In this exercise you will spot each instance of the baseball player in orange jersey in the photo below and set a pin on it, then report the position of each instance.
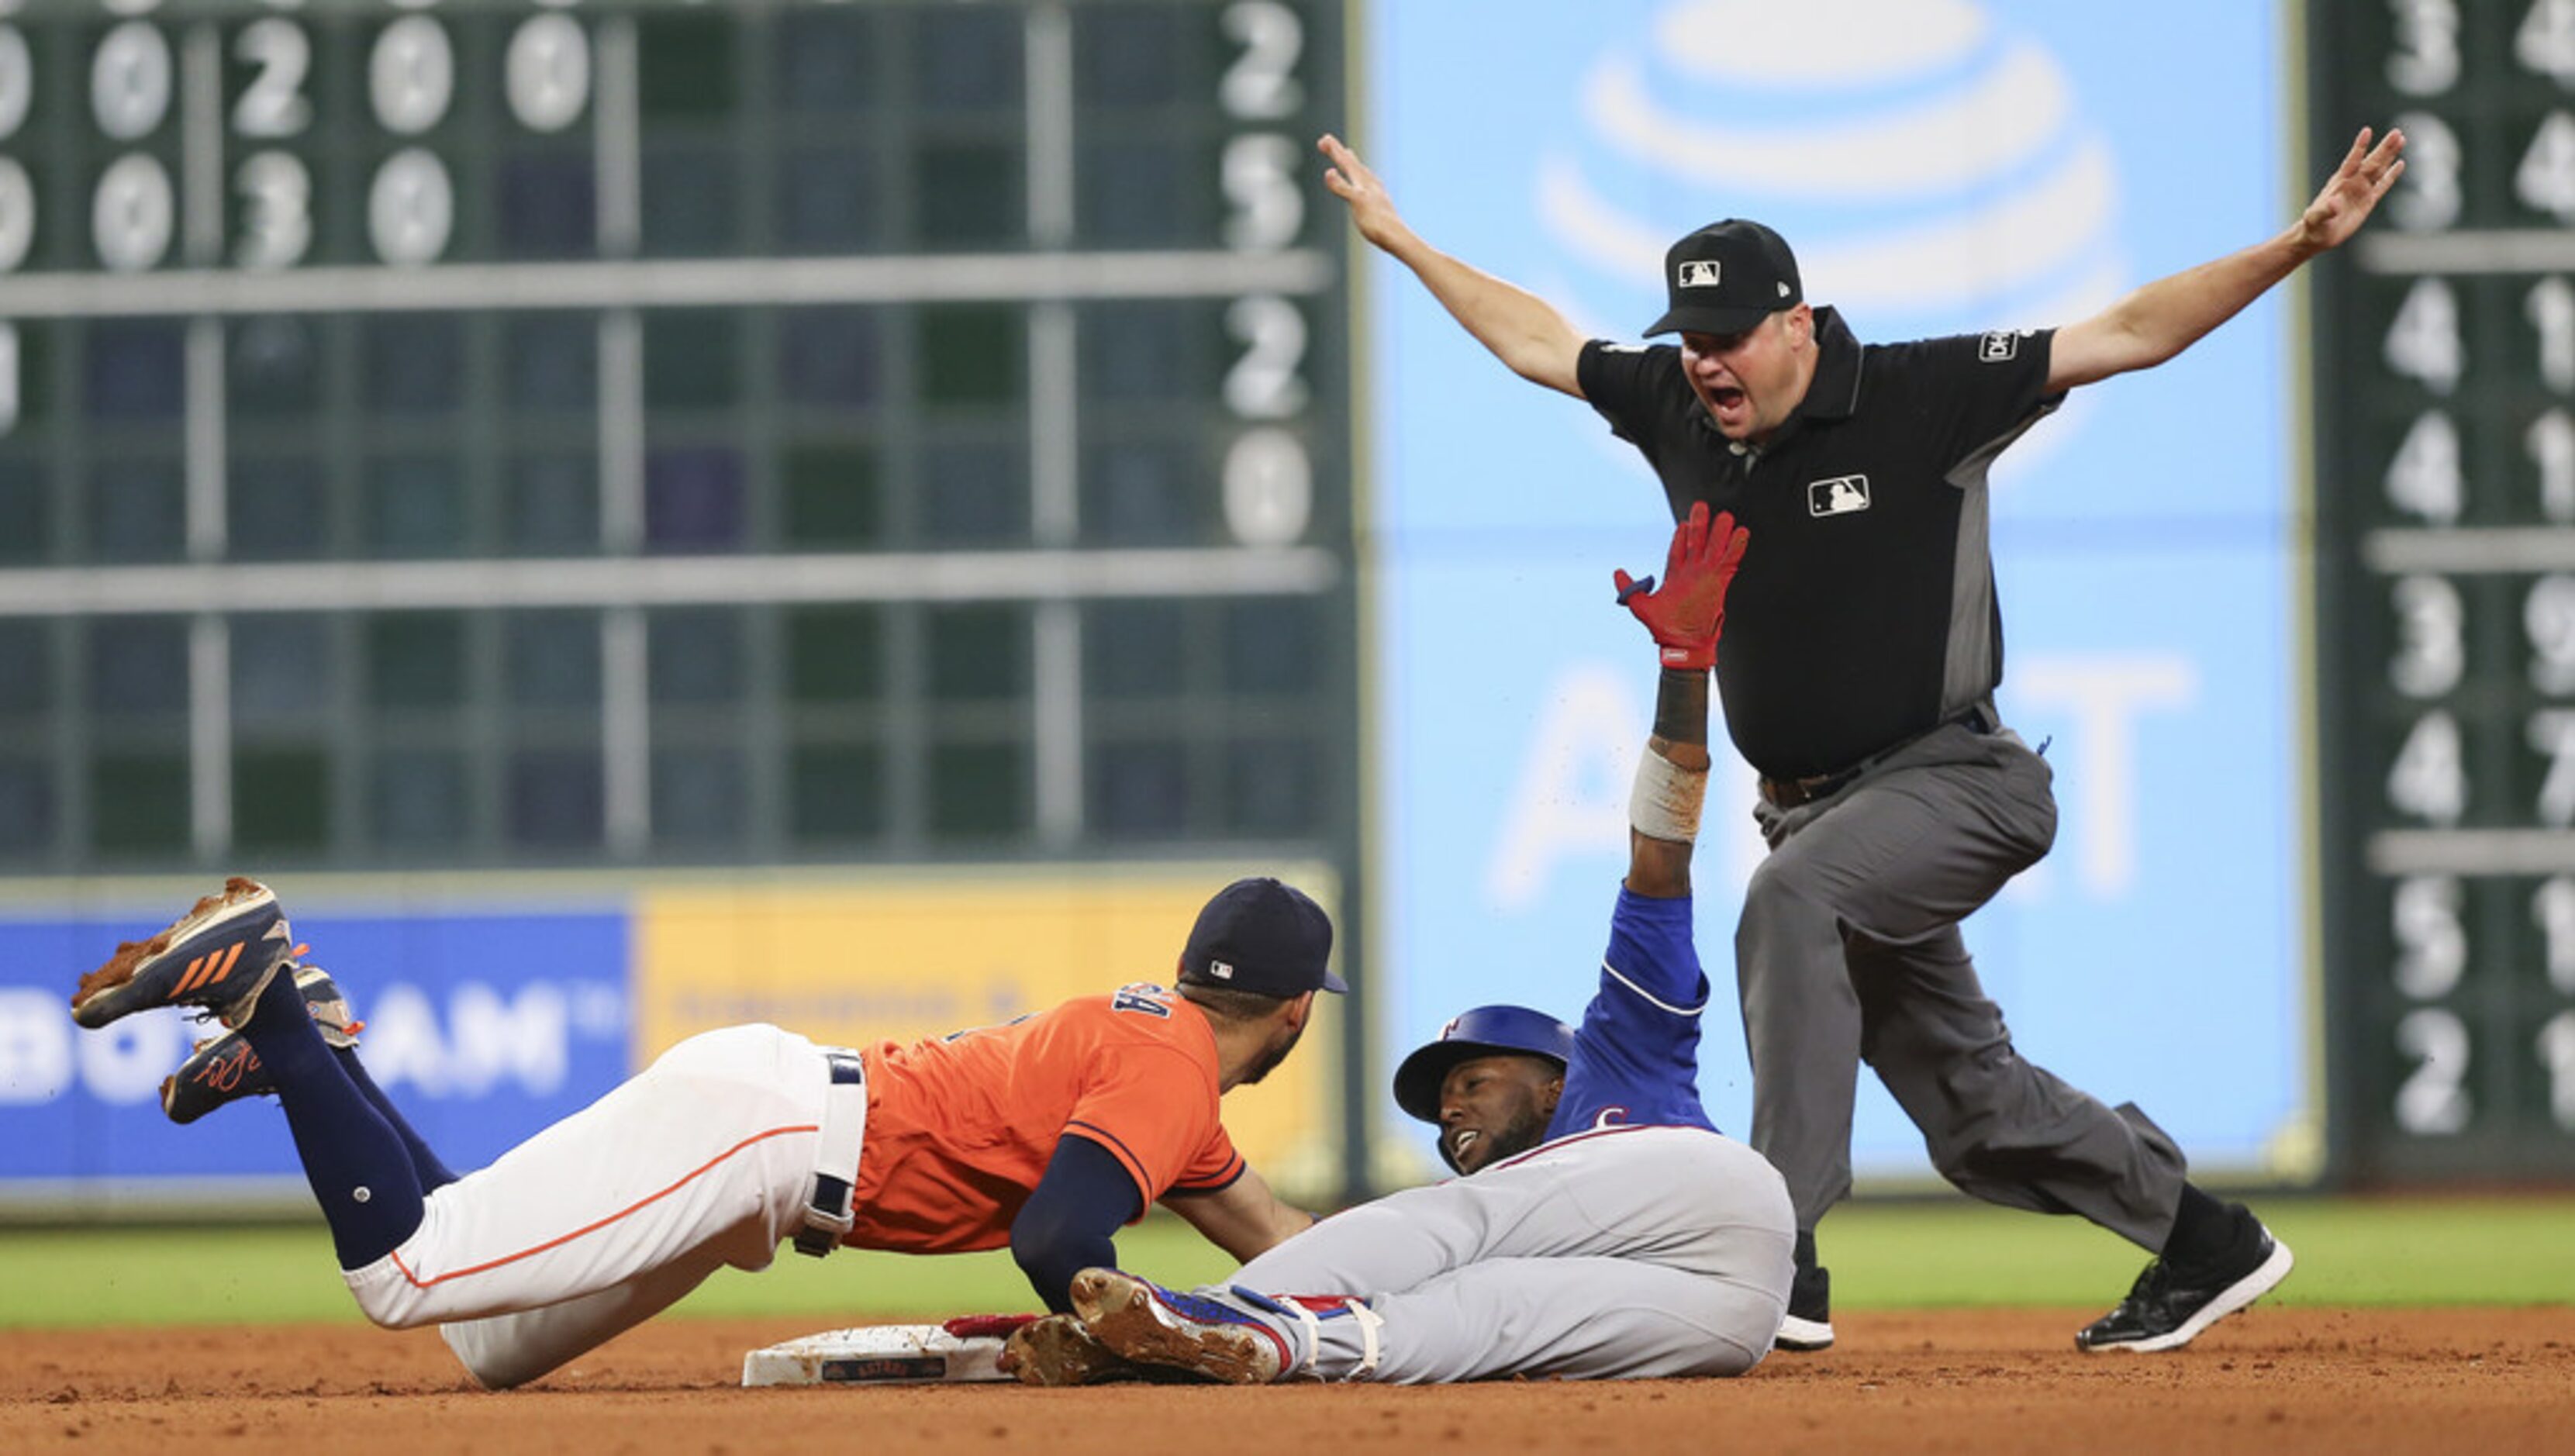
(1047, 1133)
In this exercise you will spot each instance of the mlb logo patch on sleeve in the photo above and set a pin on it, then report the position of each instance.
(1840, 495)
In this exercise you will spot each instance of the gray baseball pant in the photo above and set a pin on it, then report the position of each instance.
(1849, 950)
(1612, 1254)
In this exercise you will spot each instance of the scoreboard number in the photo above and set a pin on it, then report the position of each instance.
(130, 81)
(2424, 343)
(2429, 779)
(2432, 647)
(2433, 1102)
(273, 104)
(2424, 478)
(2433, 945)
(547, 72)
(2545, 42)
(2430, 194)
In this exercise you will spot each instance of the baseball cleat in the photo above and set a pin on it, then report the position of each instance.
(219, 955)
(1057, 1350)
(1804, 1336)
(225, 1069)
(2171, 1303)
(1808, 1324)
(1151, 1325)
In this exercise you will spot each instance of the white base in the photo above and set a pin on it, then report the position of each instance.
(878, 1354)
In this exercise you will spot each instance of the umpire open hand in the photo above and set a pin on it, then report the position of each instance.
(1349, 178)
(1687, 613)
(2353, 191)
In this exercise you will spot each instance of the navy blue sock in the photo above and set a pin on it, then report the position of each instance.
(358, 1168)
(425, 1164)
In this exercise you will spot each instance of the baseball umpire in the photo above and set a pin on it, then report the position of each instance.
(1600, 1227)
(1045, 1133)
(1861, 658)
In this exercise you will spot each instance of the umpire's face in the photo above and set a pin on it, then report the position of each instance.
(1750, 382)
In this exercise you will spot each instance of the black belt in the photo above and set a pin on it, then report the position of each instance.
(1798, 793)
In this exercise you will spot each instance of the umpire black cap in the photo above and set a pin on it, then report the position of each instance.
(1483, 1031)
(1262, 936)
(1727, 277)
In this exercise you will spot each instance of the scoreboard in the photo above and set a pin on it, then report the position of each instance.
(2444, 374)
(498, 432)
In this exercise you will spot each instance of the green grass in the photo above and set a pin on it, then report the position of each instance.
(2516, 1250)
(2505, 1250)
(266, 1273)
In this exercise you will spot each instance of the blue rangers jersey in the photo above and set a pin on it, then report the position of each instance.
(1635, 1055)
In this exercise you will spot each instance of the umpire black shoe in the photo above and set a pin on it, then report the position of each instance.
(1809, 1324)
(2173, 1302)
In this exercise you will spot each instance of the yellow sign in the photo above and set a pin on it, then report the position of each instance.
(899, 954)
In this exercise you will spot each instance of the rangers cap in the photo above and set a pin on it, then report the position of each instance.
(1483, 1031)
(1727, 277)
(1262, 936)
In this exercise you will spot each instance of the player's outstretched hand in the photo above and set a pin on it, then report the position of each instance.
(1686, 613)
(2353, 191)
(1371, 210)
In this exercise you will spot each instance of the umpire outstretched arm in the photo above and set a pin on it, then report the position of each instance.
(1522, 330)
(2169, 315)
(2141, 330)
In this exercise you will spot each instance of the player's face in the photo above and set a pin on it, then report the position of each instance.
(1496, 1107)
(1749, 382)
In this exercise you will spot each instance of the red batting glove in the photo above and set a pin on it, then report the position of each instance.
(1687, 613)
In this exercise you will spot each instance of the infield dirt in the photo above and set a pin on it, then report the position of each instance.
(2467, 1382)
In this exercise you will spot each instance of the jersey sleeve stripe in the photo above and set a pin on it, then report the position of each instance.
(1125, 1156)
(1232, 1176)
(1649, 998)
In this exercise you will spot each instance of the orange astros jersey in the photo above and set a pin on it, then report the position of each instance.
(960, 1128)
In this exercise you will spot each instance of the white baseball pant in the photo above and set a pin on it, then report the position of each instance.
(605, 1218)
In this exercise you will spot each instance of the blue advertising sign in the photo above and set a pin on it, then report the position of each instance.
(483, 1027)
(1942, 166)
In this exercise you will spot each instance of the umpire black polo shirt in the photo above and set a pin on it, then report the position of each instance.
(1864, 612)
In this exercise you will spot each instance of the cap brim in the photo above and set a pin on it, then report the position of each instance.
(1334, 982)
(1707, 319)
(1417, 1081)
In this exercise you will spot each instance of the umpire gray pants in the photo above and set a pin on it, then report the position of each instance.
(1849, 950)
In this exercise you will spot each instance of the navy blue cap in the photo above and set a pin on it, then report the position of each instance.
(1727, 277)
(1262, 936)
(1483, 1031)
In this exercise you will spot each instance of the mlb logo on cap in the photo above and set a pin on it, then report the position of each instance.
(1264, 936)
(1727, 277)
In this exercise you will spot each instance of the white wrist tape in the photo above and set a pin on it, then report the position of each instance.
(1666, 802)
